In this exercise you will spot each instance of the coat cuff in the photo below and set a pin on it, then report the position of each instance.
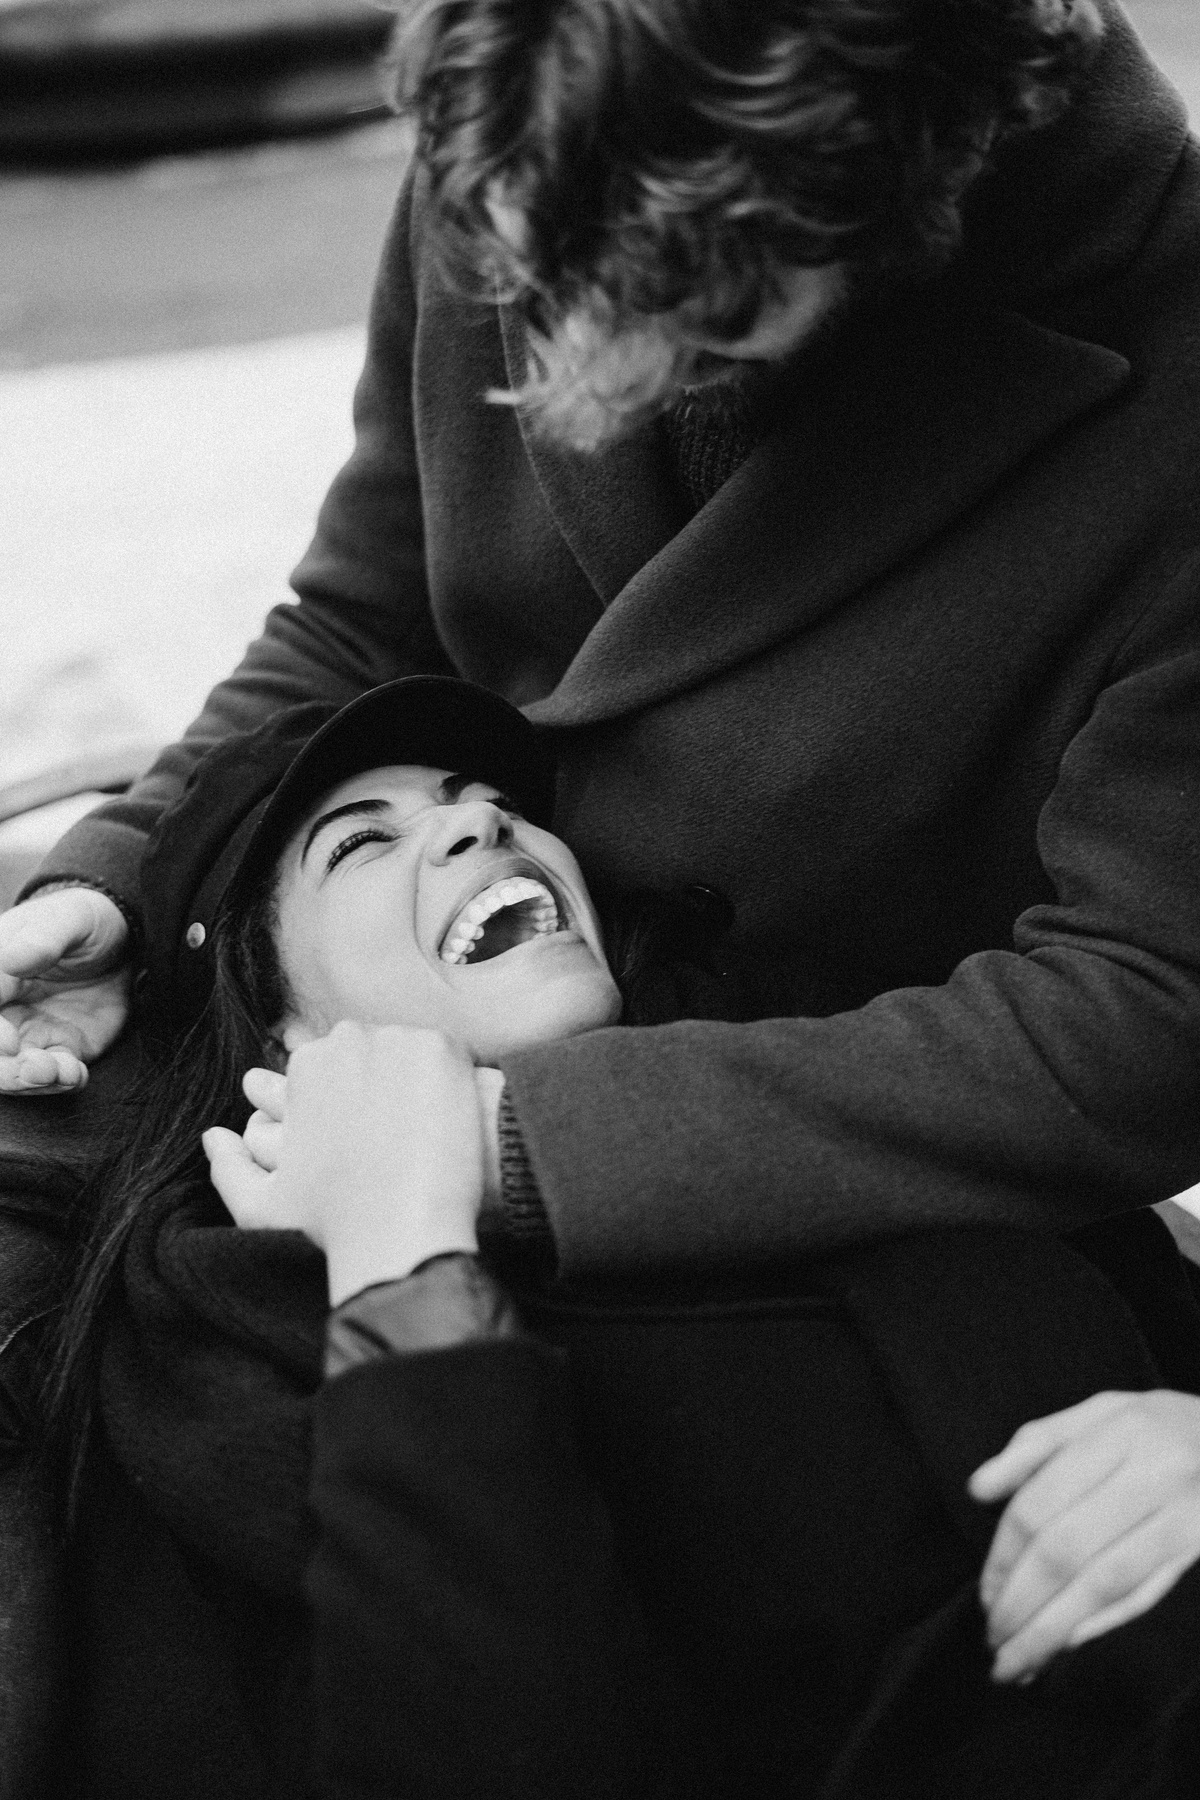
(447, 1300)
(45, 883)
(97, 852)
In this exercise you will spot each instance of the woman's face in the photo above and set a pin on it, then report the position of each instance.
(413, 896)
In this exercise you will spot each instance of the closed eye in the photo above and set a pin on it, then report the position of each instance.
(508, 806)
(371, 835)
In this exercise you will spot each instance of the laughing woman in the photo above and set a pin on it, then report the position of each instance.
(346, 1519)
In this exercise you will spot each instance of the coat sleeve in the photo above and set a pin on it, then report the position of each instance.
(473, 1636)
(30, 1552)
(362, 615)
(1044, 1085)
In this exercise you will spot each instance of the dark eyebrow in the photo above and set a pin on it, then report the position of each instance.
(368, 807)
(448, 790)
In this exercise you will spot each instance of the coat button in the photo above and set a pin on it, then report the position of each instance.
(194, 936)
(713, 911)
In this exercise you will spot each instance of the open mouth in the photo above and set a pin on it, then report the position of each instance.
(512, 911)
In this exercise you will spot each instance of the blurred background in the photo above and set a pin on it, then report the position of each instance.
(192, 198)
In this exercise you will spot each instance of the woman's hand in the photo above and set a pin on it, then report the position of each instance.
(378, 1154)
(64, 988)
(267, 1093)
(1103, 1520)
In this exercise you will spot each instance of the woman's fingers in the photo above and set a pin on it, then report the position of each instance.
(1134, 1604)
(262, 1138)
(1121, 1580)
(1099, 1531)
(1070, 1542)
(266, 1091)
(242, 1185)
(1034, 1443)
(1072, 1471)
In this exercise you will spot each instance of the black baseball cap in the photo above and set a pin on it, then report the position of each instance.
(247, 793)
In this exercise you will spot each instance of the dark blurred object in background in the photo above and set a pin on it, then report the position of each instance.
(87, 80)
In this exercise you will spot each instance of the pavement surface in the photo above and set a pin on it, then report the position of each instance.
(178, 350)
(186, 486)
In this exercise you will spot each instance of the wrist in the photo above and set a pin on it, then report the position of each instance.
(122, 926)
(355, 1260)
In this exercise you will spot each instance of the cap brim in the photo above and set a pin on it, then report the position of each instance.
(426, 720)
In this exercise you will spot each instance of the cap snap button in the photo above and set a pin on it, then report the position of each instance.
(712, 910)
(195, 936)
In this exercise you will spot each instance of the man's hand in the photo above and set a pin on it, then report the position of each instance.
(373, 1148)
(1104, 1519)
(64, 988)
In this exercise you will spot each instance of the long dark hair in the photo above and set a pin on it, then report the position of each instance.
(152, 1145)
(153, 1140)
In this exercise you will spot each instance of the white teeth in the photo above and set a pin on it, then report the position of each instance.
(467, 928)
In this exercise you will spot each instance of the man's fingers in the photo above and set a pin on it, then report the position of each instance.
(1035, 1443)
(51, 1030)
(267, 1091)
(237, 1177)
(262, 1138)
(35, 1072)
(32, 951)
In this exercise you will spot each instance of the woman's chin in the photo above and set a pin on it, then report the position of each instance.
(545, 1011)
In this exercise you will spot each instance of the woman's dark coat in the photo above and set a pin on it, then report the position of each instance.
(918, 689)
(720, 1551)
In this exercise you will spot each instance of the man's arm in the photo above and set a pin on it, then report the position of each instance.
(1042, 1086)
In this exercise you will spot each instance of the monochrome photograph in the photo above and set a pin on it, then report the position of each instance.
(600, 900)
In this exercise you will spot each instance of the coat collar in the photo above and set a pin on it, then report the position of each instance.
(910, 417)
(921, 416)
(615, 508)
(1071, 205)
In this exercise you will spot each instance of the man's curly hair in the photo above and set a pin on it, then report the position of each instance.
(636, 174)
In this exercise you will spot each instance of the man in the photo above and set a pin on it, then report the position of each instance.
(823, 479)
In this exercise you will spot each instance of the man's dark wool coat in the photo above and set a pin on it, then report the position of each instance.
(918, 690)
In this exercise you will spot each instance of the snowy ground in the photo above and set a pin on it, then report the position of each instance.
(184, 489)
(179, 344)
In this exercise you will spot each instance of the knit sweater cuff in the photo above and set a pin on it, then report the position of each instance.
(53, 884)
(516, 1227)
(447, 1300)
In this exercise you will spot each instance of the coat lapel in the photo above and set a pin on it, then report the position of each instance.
(616, 509)
(916, 418)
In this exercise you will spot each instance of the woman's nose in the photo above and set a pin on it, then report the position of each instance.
(468, 825)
